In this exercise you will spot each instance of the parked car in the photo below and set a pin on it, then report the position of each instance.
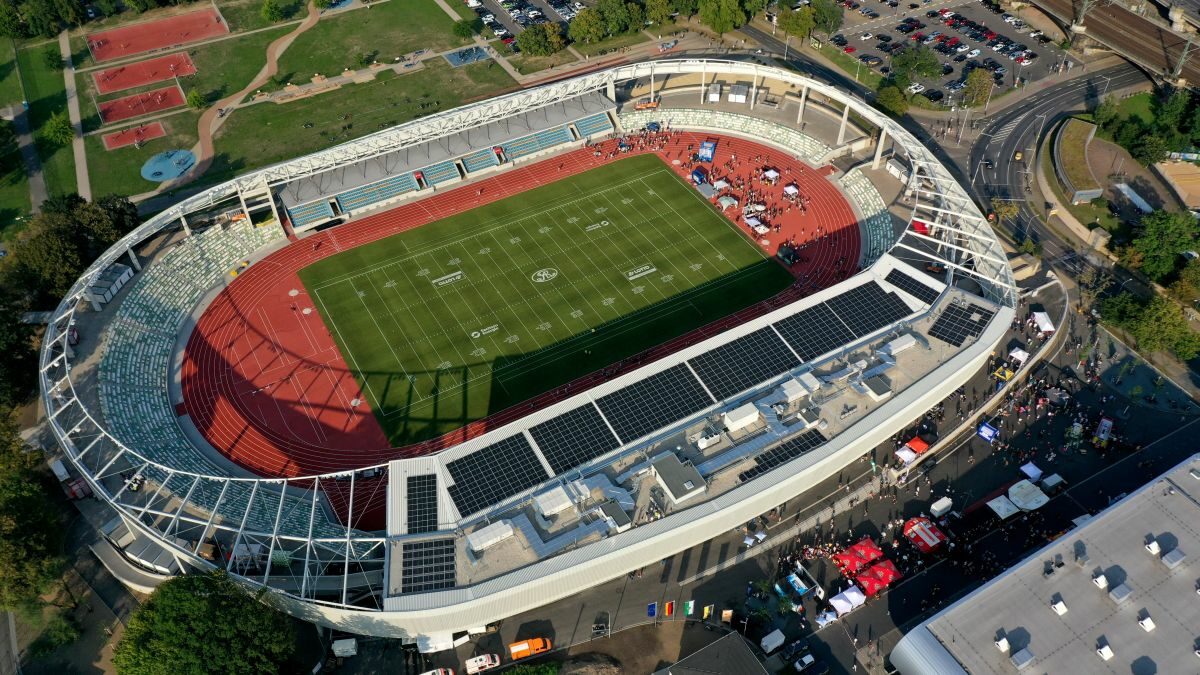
(916, 88)
(933, 95)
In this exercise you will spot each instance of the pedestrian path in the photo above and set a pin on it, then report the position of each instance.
(83, 183)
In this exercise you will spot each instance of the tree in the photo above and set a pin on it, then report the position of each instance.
(1156, 325)
(891, 100)
(722, 15)
(465, 28)
(797, 23)
(752, 7)
(30, 531)
(1165, 236)
(1186, 287)
(1004, 209)
(541, 39)
(272, 11)
(828, 15)
(1092, 283)
(196, 622)
(588, 26)
(658, 12)
(11, 23)
(58, 130)
(977, 88)
(53, 59)
(637, 16)
(615, 14)
(687, 8)
(19, 364)
(195, 100)
(322, 4)
(1149, 149)
(1106, 112)
(919, 61)
(1171, 109)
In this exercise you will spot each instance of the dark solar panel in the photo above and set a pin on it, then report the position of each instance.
(427, 566)
(957, 323)
(814, 331)
(422, 503)
(782, 453)
(908, 284)
(749, 360)
(574, 438)
(494, 473)
(867, 308)
(653, 403)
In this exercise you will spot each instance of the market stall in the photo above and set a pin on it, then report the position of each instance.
(878, 577)
(924, 534)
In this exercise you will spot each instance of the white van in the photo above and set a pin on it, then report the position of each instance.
(772, 641)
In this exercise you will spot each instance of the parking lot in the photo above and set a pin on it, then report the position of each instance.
(964, 36)
(507, 18)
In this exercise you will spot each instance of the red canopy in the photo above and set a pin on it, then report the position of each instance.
(917, 445)
(857, 556)
(878, 577)
(923, 534)
(920, 227)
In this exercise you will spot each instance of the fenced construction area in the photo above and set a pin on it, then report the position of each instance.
(455, 320)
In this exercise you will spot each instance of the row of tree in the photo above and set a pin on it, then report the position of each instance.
(1175, 125)
(1158, 324)
(46, 18)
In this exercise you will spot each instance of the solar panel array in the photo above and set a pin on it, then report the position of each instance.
(494, 473)
(653, 403)
(841, 319)
(908, 284)
(422, 503)
(957, 323)
(427, 566)
(783, 453)
(574, 438)
(749, 360)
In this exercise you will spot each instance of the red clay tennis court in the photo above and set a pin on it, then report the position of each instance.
(136, 105)
(132, 135)
(119, 78)
(152, 35)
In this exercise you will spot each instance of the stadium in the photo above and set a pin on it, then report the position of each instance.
(471, 364)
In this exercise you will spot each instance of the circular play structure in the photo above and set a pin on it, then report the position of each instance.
(168, 165)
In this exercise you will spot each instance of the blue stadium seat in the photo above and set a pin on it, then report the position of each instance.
(366, 195)
(528, 145)
(596, 124)
(480, 160)
(310, 213)
(440, 173)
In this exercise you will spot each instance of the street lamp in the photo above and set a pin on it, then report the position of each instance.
(1107, 80)
(786, 42)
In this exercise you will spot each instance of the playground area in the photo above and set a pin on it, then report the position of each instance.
(134, 135)
(137, 105)
(120, 78)
(151, 36)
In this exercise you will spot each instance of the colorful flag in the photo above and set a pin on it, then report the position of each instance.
(708, 611)
(689, 607)
(652, 609)
(669, 609)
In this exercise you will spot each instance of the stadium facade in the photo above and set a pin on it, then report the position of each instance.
(537, 509)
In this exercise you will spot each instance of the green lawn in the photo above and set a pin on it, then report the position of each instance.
(265, 133)
(851, 66)
(222, 68)
(247, 14)
(14, 186)
(119, 171)
(527, 65)
(47, 94)
(384, 32)
(611, 44)
(1140, 106)
(1091, 216)
(449, 322)
(10, 81)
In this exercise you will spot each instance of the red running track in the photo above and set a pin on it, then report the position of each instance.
(159, 34)
(137, 105)
(119, 78)
(132, 135)
(263, 379)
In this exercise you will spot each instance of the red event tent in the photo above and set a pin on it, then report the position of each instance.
(857, 556)
(878, 577)
(923, 534)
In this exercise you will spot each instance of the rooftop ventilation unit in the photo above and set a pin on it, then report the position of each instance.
(1173, 558)
(1153, 547)
(1146, 623)
(1105, 652)
(1120, 593)
(1101, 581)
(1002, 644)
(1059, 607)
(1022, 659)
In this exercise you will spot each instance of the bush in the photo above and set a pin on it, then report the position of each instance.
(60, 631)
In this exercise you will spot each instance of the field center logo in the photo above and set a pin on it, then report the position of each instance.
(543, 275)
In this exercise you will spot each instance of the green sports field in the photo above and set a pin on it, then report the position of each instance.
(461, 318)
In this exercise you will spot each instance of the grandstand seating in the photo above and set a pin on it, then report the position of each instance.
(136, 363)
(808, 148)
(310, 213)
(440, 173)
(480, 160)
(876, 225)
(527, 145)
(365, 195)
(593, 125)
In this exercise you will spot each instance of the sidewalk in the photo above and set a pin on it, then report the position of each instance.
(83, 182)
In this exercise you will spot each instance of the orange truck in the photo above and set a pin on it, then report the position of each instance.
(527, 648)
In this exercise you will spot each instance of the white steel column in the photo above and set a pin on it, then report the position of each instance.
(188, 231)
(703, 77)
(803, 101)
(611, 89)
(879, 148)
(842, 129)
(133, 259)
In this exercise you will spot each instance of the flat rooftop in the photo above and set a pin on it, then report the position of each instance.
(1017, 605)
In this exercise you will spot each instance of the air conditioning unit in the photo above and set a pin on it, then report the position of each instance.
(1146, 623)
(1059, 607)
(1002, 644)
(1105, 652)
(1101, 581)
(1153, 547)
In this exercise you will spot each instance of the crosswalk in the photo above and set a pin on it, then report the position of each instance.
(1005, 131)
